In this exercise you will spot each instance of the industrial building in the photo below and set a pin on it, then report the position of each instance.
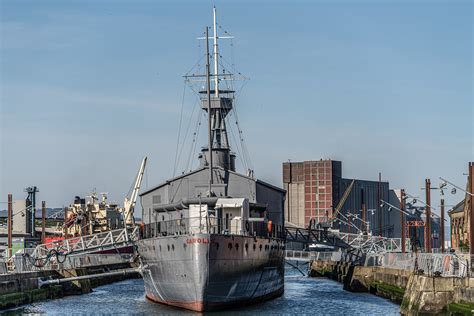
(315, 188)
(23, 224)
(317, 191)
(459, 216)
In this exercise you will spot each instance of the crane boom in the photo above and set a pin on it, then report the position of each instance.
(343, 200)
(129, 203)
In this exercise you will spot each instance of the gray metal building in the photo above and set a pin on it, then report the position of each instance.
(227, 183)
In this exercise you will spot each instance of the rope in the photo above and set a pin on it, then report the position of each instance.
(45, 260)
(186, 135)
(179, 131)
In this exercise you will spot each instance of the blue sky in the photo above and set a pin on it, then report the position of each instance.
(90, 87)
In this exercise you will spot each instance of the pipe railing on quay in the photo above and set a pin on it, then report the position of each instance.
(432, 264)
(303, 255)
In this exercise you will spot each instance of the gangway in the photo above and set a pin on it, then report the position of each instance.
(48, 254)
(354, 247)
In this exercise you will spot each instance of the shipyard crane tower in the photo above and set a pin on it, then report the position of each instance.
(129, 203)
(31, 209)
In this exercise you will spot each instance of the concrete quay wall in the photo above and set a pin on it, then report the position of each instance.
(415, 293)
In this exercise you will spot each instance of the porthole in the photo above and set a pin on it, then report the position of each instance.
(246, 246)
(236, 246)
(217, 245)
(260, 247)
(168, 247)
(230, 245)
(172, 247)
(254, 246)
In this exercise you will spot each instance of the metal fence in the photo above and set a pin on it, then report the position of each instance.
(371, 243)
(441, 264)
(83, 244)
(301, 255)
(73, 252)
(297, 255)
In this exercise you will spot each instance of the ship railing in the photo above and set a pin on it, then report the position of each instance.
(212, 225)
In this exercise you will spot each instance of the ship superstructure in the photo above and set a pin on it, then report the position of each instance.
(212, 237)
(88, 216)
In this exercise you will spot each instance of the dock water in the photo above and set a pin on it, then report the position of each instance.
(24, 287)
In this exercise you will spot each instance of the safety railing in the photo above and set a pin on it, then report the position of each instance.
(372, 243)
(436, 264)
(302, 255)
(298, 255)
(326, 256)
(87, 243)
(67, 253)
(212, 225)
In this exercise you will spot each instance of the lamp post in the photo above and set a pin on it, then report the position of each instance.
(428, 216)
(403, 213)
(469, 194)
(364, 210)
(471, 210)
(365, 224)
(402, 218)
(442, 226)
(10, 225)
(428, 212)
(348, 222)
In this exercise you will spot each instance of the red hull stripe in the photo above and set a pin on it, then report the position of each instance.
(200, 306)
(197, 306)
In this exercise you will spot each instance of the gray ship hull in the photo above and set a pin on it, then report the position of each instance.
(204, 272)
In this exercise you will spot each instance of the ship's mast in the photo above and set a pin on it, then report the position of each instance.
(217, 103)
(216, 56)
(209, 125)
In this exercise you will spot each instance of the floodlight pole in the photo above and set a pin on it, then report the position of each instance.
(428, 216)
(471, 209)
(402, 219)
(442, 225)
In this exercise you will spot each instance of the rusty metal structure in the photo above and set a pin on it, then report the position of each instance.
(428, 216)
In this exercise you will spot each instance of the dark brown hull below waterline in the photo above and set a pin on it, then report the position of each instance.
(221, 271)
